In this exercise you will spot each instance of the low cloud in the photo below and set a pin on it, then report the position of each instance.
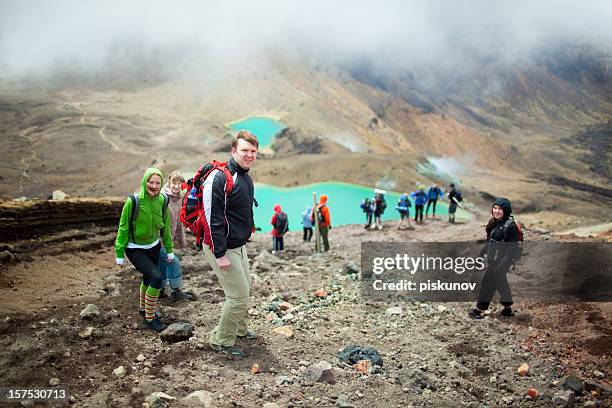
(40, 37)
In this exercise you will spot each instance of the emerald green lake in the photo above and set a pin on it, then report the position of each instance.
(264, 128)
(344, 200)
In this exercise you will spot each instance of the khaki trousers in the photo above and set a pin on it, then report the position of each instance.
(236, 284)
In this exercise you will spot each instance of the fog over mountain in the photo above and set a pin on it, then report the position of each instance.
(191, 38)
(469, 87)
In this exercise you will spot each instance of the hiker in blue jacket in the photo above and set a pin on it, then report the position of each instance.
(420, 198)
(403, 207)
(307, 224)
(433, 194)
(368, 206)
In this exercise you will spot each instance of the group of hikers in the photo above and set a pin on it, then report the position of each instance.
(219, 211)
(221, 218)
(280, 224)
(375, 207)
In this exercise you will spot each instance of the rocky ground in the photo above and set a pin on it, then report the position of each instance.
(306, 308)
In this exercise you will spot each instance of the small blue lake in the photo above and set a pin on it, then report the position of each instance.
(264, 128)
(344, 200)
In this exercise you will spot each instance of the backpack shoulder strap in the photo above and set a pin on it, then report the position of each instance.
(165, 205)
(134, 214)
(507, 225)
(229, 180)
(164, 210)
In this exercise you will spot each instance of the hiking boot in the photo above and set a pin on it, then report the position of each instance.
(508, 312)
(157, 315)
(155, 325)
(476, 314)
(229, 350)
(162, 293)
(178, 295)
(249, 335)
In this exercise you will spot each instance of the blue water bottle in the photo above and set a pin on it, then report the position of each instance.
(192, 200)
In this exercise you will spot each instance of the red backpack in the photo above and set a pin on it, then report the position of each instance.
(192, 213)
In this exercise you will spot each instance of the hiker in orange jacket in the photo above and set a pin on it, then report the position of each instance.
(324, 220)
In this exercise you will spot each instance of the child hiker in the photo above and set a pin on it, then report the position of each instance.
(280, 225)
(172, 270)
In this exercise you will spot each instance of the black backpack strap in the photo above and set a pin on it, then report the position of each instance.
(165, 206)
(507, 225)
(164, 210)
(133, 215)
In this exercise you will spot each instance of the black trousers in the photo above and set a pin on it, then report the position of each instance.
(146, 261)
(277, 243)
(368, 220)
(418, 212)
(307, 234)
(434, 206)
(494, 280)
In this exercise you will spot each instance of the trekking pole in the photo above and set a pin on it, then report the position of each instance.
(316, 222)
(458, 203)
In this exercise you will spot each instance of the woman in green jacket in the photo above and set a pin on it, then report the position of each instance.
(143, 220)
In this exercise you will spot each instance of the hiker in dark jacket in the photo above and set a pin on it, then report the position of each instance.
(452, 203)
(379, 210)
(230, 224)
(501, 247)
(280, 225)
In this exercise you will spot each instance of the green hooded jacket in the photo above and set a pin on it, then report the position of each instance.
(149, 221)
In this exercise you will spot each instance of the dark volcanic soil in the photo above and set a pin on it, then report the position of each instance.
(433, 354)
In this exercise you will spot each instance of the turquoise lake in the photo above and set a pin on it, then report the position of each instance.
(344, 200)
(264, 128)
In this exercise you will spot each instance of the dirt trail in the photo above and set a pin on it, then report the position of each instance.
(26, 161)
(107, 140)
(101, 133)
(433, 354)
